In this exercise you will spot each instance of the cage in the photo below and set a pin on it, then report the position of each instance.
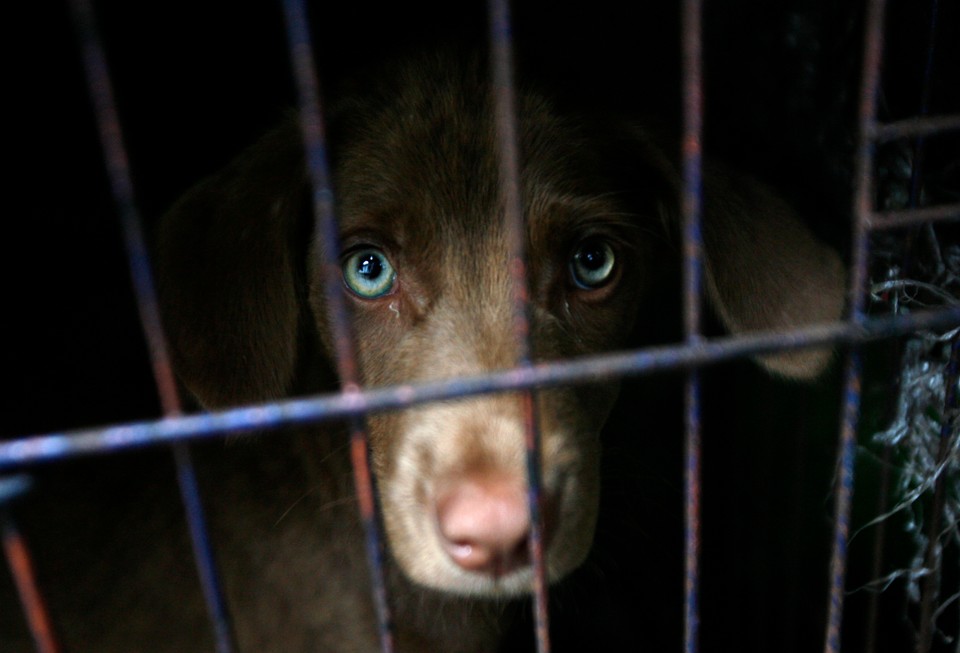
(793, 94)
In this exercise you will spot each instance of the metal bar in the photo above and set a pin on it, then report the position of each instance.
(121, 185)
(118, 170)
(913, 127)
(21, 567)
(326, 230)
(508, 158)
(501, 63)
(919, 128)
(691, 208)
(692, 198)
(210, 582)
(692, 475)
(326, 233)
(863, 194)
(862, 207)
(57, 446)
(899, 218)
(846, 456)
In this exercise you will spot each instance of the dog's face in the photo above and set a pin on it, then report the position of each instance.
(426, 271)
(426, 268)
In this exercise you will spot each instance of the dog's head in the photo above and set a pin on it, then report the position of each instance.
(426, 272)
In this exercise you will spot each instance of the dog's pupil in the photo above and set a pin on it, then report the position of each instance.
(370, 266)
(593, 258)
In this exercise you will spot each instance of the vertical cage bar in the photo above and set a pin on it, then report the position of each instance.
(692, 205)
(846, 455)
(504, 97)
(692, 200)
(913, 201)
(327, 236)
(210, 581)
(21, 567)
(118, 171)
(862, 207)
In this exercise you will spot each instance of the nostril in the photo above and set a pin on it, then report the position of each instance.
(493, 559)
(484, 524)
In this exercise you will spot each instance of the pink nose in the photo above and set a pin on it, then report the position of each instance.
(484, 523)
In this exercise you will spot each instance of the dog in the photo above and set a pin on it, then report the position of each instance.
(425, 265)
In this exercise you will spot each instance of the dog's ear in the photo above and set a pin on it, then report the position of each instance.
(230, 278)
(764, 268)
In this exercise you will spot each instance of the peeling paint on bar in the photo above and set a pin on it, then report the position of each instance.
(19, 560)
(900, 218)
(862, 208)
(121, 183)
(327, 231)
(691, 208)
(57, 446)
(508, 160)
(913, 127)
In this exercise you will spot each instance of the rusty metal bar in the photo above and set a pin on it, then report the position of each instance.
(21, 567)
(914, 127)
(918, 128)
(118, 171)
(504, 99)
(692, 475)
(862, 208)
(691, 209)
(900, 218)
(57, 446)
(326, 230)
(326, 233)
(692, 198)
(100, 90)
(846, 456)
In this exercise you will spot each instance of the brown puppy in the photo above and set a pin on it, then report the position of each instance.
(425, 269)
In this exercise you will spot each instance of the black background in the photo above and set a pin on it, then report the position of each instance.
(197, 81)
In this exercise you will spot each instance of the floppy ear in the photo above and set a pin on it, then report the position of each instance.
(230, 278)
(764, 269)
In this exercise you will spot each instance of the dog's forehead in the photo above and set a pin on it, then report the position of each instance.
(426, 154)
(430, 154)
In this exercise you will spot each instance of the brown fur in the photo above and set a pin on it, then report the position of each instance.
(415, 175)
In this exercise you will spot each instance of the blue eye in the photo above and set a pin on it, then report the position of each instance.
(592, 263)
(368, 273)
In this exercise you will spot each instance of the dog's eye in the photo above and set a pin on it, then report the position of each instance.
(593, 263)
(368, 273)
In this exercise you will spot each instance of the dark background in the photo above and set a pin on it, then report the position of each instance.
(197, 81)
